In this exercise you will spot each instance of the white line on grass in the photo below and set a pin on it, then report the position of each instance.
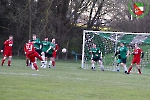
(23, 74)
(71, 78)
(103, 81)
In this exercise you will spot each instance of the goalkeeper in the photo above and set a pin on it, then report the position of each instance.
(96, 57)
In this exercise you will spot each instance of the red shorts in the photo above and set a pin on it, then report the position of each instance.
(7, 53)
(137, 61)
(32, 55)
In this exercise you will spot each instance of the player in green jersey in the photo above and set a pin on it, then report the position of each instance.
(96, 57)
(124, 53)
(50, 52)
(45, 47)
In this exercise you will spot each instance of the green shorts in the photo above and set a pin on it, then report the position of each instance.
(119, 61)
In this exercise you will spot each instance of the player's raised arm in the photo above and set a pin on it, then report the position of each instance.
(116, 53)
(142, 55)
(128, 53)
(41, 45)
(50, 47)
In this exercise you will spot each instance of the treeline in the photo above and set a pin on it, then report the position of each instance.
(22, 18)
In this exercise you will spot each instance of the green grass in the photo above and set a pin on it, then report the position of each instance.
(69, 82)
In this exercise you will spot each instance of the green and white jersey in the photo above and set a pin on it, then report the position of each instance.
(51, 48)
(45, 45)
(37, 43)
(123, 52)
(96, 53)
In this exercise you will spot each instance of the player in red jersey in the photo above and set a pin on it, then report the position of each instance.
(55, 53)
(138, 55)
(7, 50)
(32, 54)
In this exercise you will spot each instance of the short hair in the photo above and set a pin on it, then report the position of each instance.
(33, 34)
(53, 39)
(10, 36)
(122, 43)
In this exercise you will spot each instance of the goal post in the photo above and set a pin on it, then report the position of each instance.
(83, 45)
(108, 43)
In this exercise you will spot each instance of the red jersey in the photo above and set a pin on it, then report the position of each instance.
(56, 47)
(137, 53)
(8, 45)
(31, 53)
(29, 47)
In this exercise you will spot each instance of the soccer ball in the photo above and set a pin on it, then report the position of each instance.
(64, 50)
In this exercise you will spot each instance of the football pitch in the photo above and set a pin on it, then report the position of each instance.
(67, 81)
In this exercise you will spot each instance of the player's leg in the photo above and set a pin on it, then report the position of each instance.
(139, 69)
(31, 58)
(118, 65)
(130, 68)
(3, 60)
(138, 66)
(93, 64)
(35, 54)
(5, 55)
(43, 62)
(53, 63)
(123, 63)
(33, 61)
(35, 66)
(9, 60)
(101, 64)
(132, 63)
(38, 51)
(125, 67)
(51, 60)
(27, 61)
(46, 57)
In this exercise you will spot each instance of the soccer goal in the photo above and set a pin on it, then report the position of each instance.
(108, 43)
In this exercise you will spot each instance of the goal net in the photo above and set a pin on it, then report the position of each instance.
(108, 43)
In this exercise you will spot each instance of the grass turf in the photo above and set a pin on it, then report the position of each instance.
(69, 82)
